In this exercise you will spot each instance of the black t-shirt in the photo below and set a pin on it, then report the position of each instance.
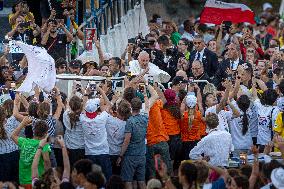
(56, 47)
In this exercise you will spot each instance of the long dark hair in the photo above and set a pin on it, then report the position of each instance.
(3, 134)
(174, 110)
(75, 104)
(244, 103)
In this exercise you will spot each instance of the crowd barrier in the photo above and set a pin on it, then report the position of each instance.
(115, 23)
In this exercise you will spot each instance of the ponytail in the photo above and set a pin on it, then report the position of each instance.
(245, 123)
(74, 117)
(244, 103)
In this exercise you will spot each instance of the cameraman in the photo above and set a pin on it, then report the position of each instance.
(24, 31)
(20, 8)
(54, 41)
(169, 58)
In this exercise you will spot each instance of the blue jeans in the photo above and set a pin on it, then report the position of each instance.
(102, 160)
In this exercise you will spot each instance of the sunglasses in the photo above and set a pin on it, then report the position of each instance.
(181, 44)
(250, 51)
(247, 42)
(197, 43)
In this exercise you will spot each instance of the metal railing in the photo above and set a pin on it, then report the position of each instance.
(107, 13)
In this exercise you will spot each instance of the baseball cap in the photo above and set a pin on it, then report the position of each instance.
(75, 64)
(277, 178)
(92, 105)
(178, 79)
(191, 101)
(266, 6)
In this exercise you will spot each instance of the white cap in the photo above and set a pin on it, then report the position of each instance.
(92, 105)
(277, 178)
(107, 56)
(191, 101)
(266, 6)
(86, 57)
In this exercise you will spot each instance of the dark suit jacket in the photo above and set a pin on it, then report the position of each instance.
(221, 73)
(209, 60)
(119, 83)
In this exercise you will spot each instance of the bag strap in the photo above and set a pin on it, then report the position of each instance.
(51, 45)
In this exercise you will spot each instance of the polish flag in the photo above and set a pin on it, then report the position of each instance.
(216, 12)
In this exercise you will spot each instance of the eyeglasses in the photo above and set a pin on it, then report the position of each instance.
(250, 51)
(181, 44)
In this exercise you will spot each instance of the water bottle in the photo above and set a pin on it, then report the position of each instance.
(1, 4)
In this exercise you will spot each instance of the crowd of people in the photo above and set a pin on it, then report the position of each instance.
(195, 103)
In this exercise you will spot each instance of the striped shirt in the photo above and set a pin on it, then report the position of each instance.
(50, 121)
(8, 145)
(74, 137)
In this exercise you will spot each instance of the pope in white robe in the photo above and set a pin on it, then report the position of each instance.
(137, 67)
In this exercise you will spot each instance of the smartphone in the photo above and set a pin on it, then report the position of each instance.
(243, 158)
(141, 87)
(93, 86)
(78, 87)
(158, 162)
(150, 80)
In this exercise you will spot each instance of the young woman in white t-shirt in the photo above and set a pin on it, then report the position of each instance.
(267, 114)
(239, 126)
(74, 137)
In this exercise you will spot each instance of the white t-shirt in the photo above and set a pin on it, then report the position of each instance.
(74, 137)
(115, 134)
(240, 141)
(224, 117)
(264, 116)
(253, 121)
(95, 134)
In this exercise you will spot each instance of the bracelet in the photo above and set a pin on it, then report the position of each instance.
(40, 147)
(86, 95)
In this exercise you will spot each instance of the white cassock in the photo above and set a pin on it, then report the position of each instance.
(41, 68)
(159, 75)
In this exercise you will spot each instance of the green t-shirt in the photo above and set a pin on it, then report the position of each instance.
(28, 148)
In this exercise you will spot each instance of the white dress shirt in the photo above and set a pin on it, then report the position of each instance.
(201, 55)
(216, 145)
(234, 64)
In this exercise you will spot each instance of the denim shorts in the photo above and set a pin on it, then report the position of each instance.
(133, 167)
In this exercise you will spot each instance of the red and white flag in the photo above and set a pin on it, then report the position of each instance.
(216, 12)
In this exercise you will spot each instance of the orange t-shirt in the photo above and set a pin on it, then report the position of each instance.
(197, 129)
(156, 131)
(170, 122)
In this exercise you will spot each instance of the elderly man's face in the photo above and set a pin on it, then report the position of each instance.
(197, 69)
(232, 51)
(144, 60)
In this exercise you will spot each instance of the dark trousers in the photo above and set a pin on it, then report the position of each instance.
(115, 169)
(75, 155)
(9, 166)
(102, 160)
(186, 148)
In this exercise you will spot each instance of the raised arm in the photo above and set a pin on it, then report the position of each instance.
(37, 156)
(66, 163)
(100, 52)
(154, 95)
(223, 102)
(16, 112)
(15, 134)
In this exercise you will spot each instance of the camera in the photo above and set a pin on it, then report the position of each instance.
(25, 24)
(170, 51)
(227, 25)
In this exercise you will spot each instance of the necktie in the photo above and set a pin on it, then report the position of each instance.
(198, 56)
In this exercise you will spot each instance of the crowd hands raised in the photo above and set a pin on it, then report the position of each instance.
(163, 124)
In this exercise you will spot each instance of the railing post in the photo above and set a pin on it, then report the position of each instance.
(118, 11)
